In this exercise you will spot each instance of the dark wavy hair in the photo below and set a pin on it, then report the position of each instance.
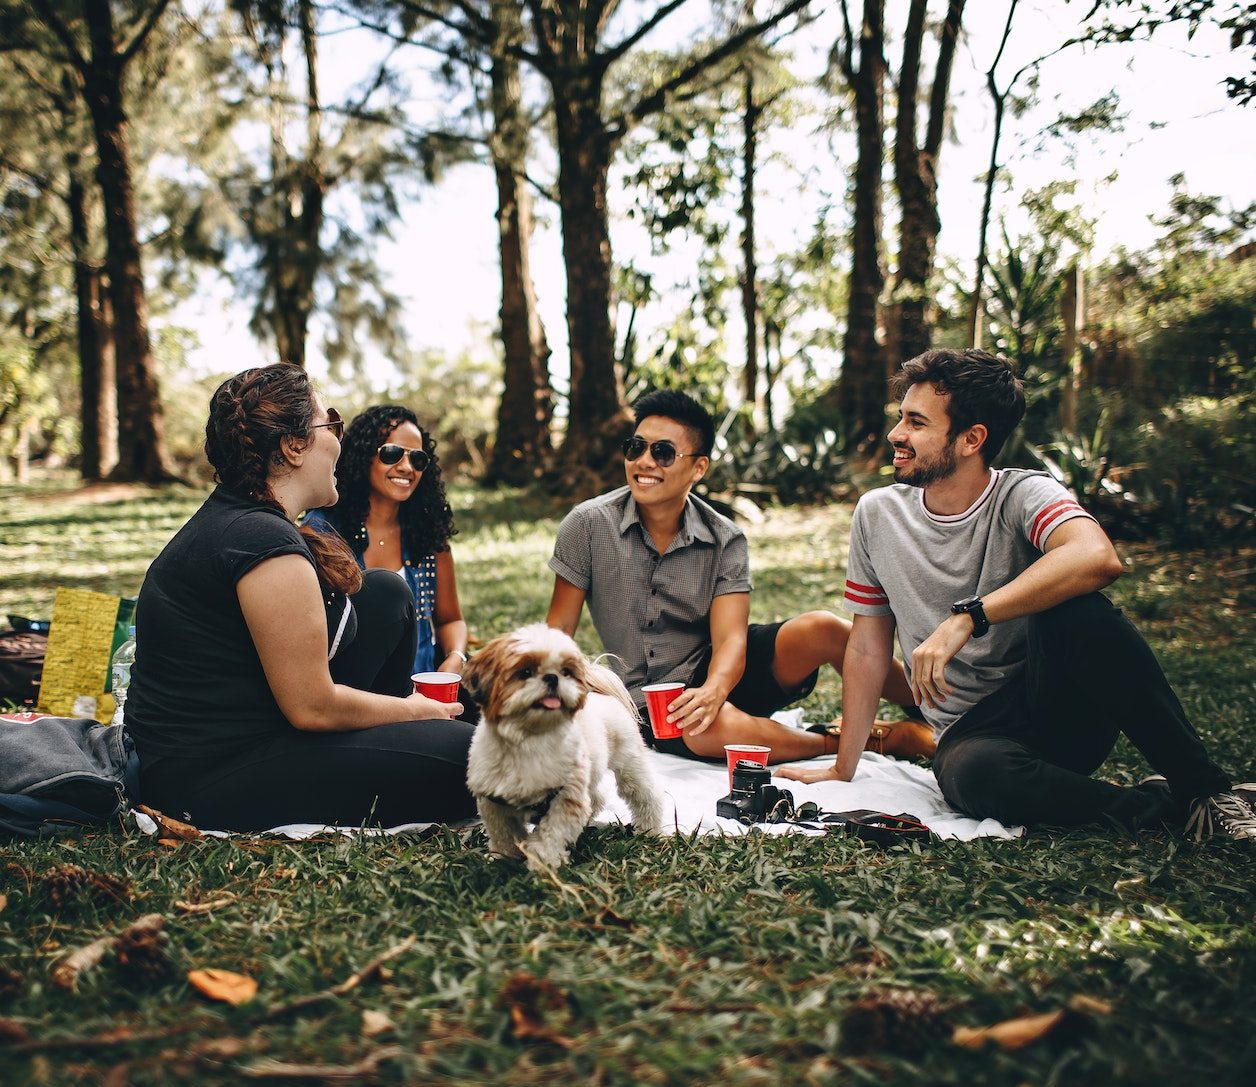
(983, 388)
(249, 416)
(427, 521)
(684, 409)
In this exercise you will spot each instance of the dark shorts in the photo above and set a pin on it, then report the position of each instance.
(757, 692)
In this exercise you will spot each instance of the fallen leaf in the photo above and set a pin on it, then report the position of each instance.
(224, 985)
(527, 999)
(171, 827)
(225, 899)
(1089, 1005)
(169, 843)
(4, 901)
(11, 1031)
(1024, 1030)
(375, 1023)
(66, 973)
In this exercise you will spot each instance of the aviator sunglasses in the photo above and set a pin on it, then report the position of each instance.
(334, 421)
(663, 451)
(392, 453)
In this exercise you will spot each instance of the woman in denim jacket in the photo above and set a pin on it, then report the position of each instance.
(394, 515)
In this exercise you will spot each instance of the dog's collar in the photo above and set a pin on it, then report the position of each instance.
(541, 807)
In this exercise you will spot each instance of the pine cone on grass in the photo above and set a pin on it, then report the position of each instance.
(69, 884)
(142, 953)
(901, 1021)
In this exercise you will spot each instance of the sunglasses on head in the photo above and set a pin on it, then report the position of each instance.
(663, 451)
(334, 422)
(392, 453)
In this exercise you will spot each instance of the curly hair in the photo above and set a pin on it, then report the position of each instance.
(249, 416)
(427, 521)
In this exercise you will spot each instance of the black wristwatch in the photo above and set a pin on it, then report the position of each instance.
(972, 607)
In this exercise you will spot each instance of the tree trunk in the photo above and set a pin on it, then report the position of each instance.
(522, 446)
(916, 178)
(1072, 307)
(596, 413)
(750, 272)
(861, 389)
(142, 453)
(97, 384)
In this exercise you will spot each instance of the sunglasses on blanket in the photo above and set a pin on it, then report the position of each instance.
(663, 451)
(392, 453)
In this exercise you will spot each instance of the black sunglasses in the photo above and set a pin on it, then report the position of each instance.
(663, 451)
(392, 453)
(334, 421)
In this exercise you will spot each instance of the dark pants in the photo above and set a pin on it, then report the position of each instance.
(1025, 753)
(409, 772)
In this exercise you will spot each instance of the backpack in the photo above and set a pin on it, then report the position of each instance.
(58, 770)
(21, 662)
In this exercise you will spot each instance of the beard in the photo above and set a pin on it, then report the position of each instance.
(920, 473)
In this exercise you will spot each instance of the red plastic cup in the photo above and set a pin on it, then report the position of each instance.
(442, 686)
(735, 753)
(658, 696)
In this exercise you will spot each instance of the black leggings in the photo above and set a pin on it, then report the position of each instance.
(408, 772)
(1025, 753)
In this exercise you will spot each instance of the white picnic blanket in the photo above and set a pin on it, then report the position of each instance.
(692, 788)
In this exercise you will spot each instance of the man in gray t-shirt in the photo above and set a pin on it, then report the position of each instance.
(667, 581)
(1025, 670)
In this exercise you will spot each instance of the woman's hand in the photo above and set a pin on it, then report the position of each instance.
(455, 663)
(428, 709)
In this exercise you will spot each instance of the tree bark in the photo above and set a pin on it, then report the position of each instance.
(97, 384)
(751, 393)
(861, 388)
(142, 452)
(522, 446)
(916, 177)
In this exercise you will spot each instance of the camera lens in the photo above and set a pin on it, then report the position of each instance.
(749, 776)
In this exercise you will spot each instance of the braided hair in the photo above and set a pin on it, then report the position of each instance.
(427, 521)
(249, 416)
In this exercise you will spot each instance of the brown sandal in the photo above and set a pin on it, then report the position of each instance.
(905, 739)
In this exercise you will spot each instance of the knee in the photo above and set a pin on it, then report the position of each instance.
(983, 780)
(821, 627)
(384, 594)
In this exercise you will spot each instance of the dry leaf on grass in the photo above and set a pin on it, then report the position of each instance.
(170, 828)
(1024, 1030)
(223, 899)
(375, 1023)
(527, 999)
(365, 1071)
(4, 901)
(224, 985)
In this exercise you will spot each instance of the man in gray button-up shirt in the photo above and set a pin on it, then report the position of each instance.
(667, 581)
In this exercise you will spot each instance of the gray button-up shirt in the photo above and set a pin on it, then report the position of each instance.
(651, 611)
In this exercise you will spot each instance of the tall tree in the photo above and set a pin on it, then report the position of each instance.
(916, 175)
(99, 50)
(860, 393)
(570, 53)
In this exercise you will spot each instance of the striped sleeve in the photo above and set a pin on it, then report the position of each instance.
(1045, 506)
(864, 593)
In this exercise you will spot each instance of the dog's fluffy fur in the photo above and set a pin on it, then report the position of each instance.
(553, 721)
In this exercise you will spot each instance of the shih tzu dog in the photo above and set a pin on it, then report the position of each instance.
(553, 722)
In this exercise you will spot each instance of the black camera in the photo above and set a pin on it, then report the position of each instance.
(754, 799)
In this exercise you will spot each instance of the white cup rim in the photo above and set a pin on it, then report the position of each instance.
(436, 677)
(663, 687)
(746, 747)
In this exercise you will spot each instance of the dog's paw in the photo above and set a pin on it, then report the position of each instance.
(544, 860)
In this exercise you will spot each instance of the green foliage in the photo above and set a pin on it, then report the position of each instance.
(692, 960)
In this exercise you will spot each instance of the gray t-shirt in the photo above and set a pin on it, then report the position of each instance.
(913, 564)
(652, 611)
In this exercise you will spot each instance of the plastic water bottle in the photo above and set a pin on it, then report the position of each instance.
(123, 658)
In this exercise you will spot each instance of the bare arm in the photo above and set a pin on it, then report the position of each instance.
(566, 603)
(450, 627)
(867, 662)
(696, 708)
(1079, 559)
(283, 607)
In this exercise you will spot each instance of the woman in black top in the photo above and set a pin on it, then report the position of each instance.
(271, 681)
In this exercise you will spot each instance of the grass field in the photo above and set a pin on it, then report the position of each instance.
(696, 961)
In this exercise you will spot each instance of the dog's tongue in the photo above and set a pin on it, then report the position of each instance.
(551, 702)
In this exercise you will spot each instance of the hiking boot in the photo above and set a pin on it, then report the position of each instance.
(1230, 814)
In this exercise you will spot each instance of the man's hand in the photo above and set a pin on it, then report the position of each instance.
(929, 661)
(695, 709)
(809, 777)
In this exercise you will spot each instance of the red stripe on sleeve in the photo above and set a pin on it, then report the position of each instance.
(1049, 516)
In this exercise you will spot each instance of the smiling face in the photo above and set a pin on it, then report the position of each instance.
(397, 482)
(318, 463)
(924, 452)
(652, 484)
